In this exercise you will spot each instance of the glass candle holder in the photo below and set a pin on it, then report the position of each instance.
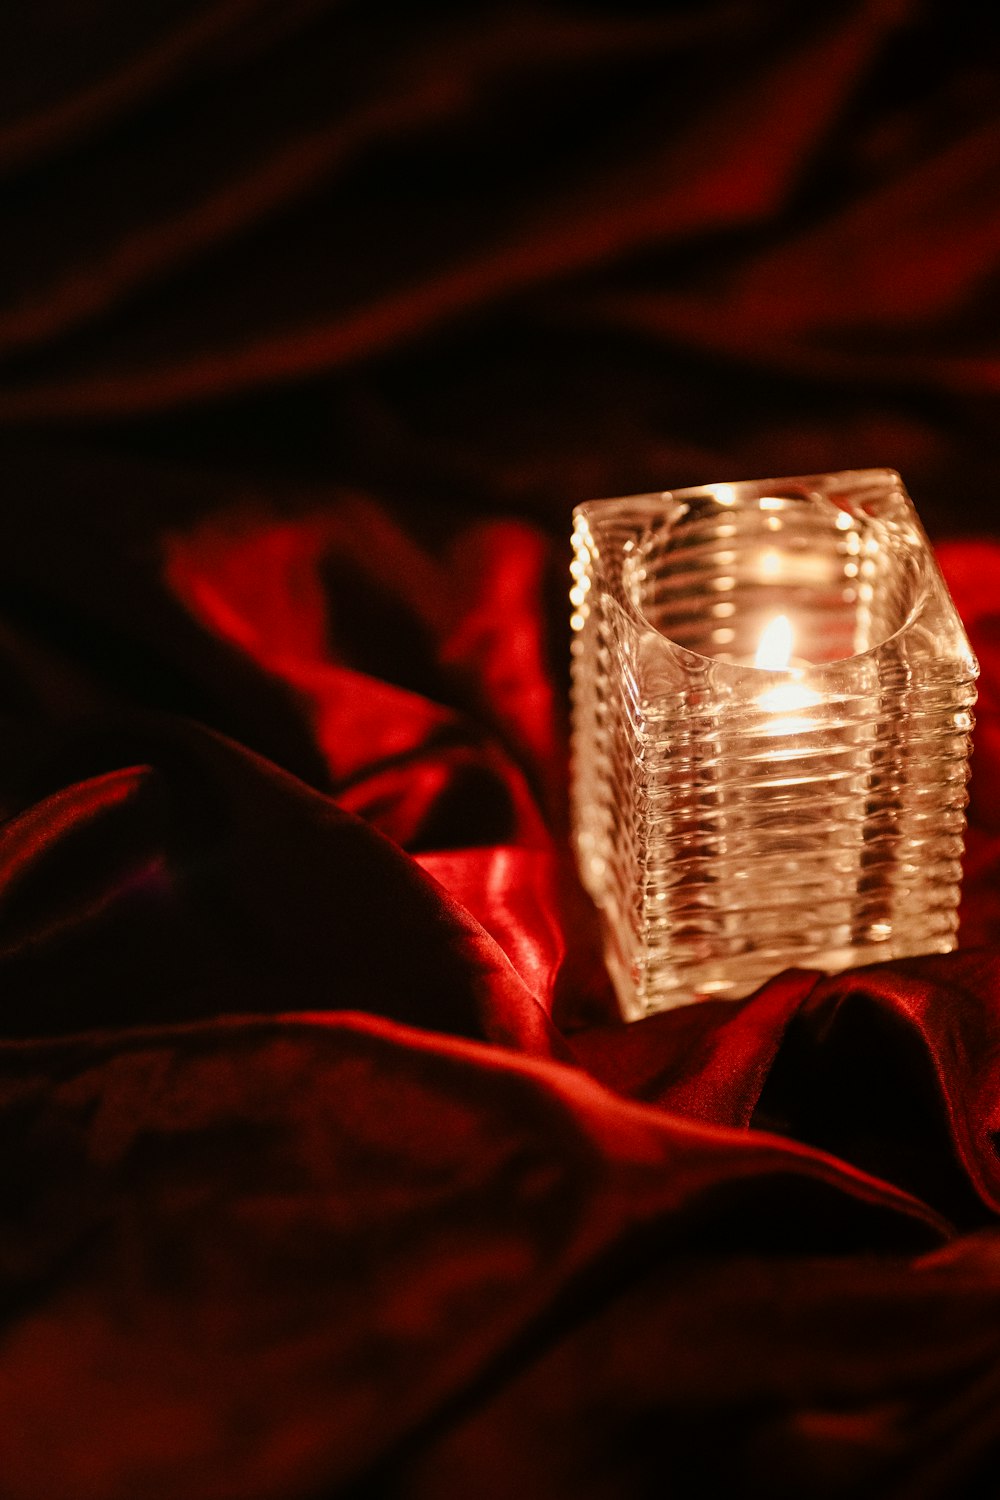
(773, 699)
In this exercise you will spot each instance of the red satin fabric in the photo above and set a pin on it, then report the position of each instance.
(326, 1166)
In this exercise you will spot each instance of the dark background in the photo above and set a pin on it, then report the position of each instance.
(502, 257)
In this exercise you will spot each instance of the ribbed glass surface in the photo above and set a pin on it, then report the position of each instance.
(734, 819)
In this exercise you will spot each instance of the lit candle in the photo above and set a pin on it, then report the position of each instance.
(772, 707)
(774, 654)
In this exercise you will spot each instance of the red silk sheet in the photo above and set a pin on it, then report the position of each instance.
(328, 1170)
(326, 1167)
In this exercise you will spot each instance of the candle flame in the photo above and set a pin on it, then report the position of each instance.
(775, 650)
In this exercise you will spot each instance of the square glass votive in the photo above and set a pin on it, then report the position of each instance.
(772, 708)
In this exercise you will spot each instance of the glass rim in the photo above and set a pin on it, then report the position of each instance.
(652, 507)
